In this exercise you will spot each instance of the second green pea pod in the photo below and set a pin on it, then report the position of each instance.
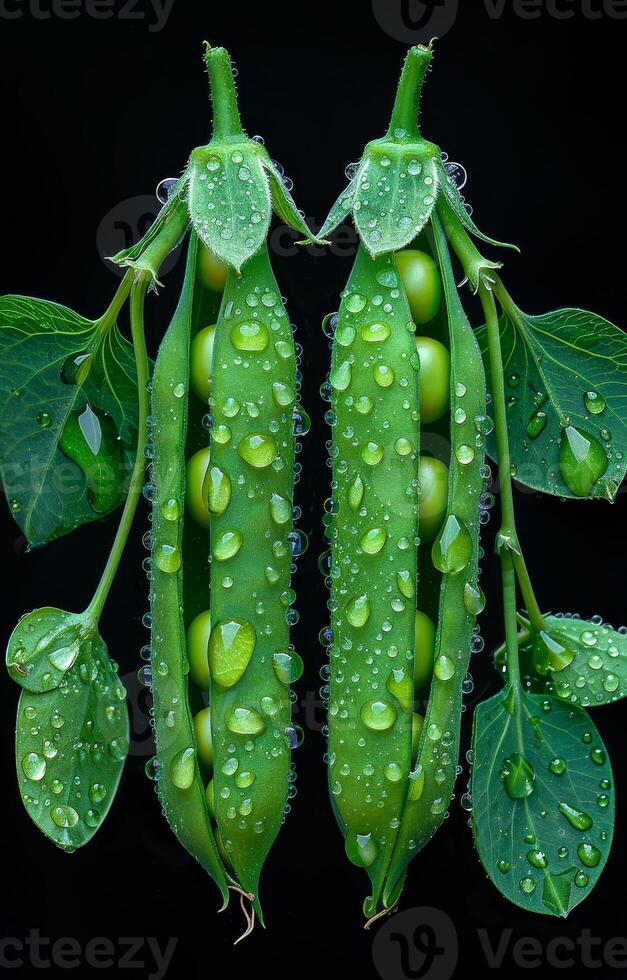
(404, 514)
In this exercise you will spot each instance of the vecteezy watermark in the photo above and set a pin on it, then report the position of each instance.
(100, 953)
(415, 21)
(415, 944)
(154, 12)
(124, 225)
(422, 944)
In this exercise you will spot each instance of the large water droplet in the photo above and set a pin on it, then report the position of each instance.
(244, 721)
(182, 768)
(252, 337)
(583, 461)
(518, 777)
(373, 540)
(358, 611)
(452, 549)
(258, 450)
(231, 645)
(378, 716)
(576, 818)
(216, 490)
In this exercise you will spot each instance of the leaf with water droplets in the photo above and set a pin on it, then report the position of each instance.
(397, 187)
(229, 199)
(542, 789)
(54, 367)
(595, 673)
(566, 387)
(340, 211)
(284, 204)
(71, 740)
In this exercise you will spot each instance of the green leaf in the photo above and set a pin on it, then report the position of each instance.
(457, 203)
(60, 376)
(229, 199)
(340, 210)
(169, 226)
(72, 739)
(595, 670)
(543, 801)
(284, 204)
(566, 385)
(397, 187)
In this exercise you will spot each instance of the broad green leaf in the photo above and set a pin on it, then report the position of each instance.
(566, 386)
(456, 202)
(229, 199)
(396, 190)
(543, 801)
(591, 670)
(72, 739)
(68, 416)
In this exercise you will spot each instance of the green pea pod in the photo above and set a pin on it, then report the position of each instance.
(456, 557)
(179, 783)
(250, 491)
(375, 502)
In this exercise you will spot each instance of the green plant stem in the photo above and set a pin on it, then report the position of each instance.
(510, 548)
(227, 124)
(407, 104)
(138, 296)
(109, 317)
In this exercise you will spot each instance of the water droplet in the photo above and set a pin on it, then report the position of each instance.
(557, 766)
(444, 668)
(75, 368)
(231, 646)
(227, 545)
(355, 303)
(518, 777)
(283, 394)
(583, 461)
(361, 849)
(527, 885)
(182, 768)
(216, 490)
(373, 541)
(465, 454)
(537, 858)
(452, 549)
(372, 453)
(168, 558)
(44, 419)
(406, 584)
(474, 599)
(358, 611)
(251, 336)
(383, 375)
(34, 766)
(170, 510)
(576, 818)
(375, 333)
(64, 817)
(378, 716)
(258, 450)
(244, 721)
(594, 402)
(288, 667)
(589, 855)
(537, 424)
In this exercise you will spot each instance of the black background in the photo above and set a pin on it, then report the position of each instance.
(94, 113)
